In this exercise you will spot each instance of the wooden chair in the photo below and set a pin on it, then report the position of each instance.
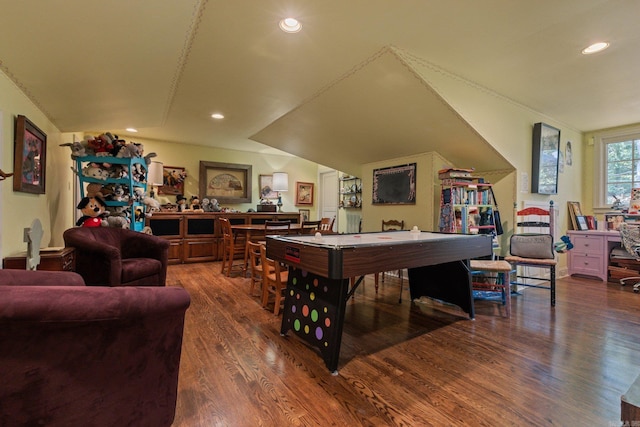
(274, 280)
(277, 227)
(232, 248)
(531, 246)
(493, 275)
(310, 227)
(326, 225)
(255, 267)
(391, 225)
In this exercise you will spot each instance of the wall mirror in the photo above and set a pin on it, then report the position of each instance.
(546, 152)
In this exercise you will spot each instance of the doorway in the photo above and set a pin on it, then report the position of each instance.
(329, 196)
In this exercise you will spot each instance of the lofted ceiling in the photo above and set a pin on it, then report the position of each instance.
(338, 92)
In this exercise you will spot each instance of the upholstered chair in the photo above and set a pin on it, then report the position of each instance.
(118, 257)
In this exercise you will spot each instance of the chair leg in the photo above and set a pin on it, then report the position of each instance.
(553, 286)
(276, 301)
(506, 292)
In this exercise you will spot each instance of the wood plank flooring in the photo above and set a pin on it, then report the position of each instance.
(409, 364)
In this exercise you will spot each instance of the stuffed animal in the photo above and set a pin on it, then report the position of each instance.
(152, 205)
(182, 203)
(93, 211)
(95, 171)
(77, 149)
(195, 204)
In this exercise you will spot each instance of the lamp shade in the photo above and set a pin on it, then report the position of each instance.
(280, 181)
(155, 173)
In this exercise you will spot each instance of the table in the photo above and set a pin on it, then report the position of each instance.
(51, 259)
(249, 229)
(320, 269)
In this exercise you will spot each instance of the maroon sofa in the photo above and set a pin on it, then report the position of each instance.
(76, 355)
(118, 257)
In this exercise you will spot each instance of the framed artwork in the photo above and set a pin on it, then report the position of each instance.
(226, 182)
(173, 178)
(574, 213)
(266, 184)
(582, 223)
(304, 214)
(546, 159)
(30, 157)
(304, 193)
(395, 185)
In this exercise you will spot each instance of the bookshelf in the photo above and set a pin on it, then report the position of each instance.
(467, 204)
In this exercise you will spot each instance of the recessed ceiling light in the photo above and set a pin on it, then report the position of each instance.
(217, 116)
(132, 130)
(594, 48)
(290, 25)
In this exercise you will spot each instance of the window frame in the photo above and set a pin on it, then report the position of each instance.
(600, 160)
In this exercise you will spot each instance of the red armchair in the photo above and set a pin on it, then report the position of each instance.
(73, 355)
(118, 257)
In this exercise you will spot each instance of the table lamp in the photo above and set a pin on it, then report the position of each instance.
(155, 176)
(280, 184)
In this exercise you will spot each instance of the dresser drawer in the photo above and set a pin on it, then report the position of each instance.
(588, 244)
(590, 265)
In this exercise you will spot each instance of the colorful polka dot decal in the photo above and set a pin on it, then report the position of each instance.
(313, 302)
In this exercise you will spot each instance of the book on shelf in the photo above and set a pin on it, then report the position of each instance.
(454, 173)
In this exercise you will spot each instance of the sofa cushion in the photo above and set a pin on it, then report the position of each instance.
(138, 268)
(9, 277)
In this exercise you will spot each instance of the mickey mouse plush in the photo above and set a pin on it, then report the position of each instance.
(93, 210)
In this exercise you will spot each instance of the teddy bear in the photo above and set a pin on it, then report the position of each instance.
(93, 212)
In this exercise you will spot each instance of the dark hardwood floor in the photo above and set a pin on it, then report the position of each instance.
(413, 364)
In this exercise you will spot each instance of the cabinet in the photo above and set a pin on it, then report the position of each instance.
(130, 173)
(197, 237)
(590, 253)
(51, 259)
(466, 206)
(350, 192)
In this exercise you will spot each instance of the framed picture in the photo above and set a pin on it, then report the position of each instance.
(582, 223)
(266, 185)
(30, 157)
(304, 214)
(574, 213)
(304, 193)
(173, 178)
(395, 185)
(546, 159)
(226, 182)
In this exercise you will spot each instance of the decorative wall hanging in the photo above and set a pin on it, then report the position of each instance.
(395, 185)
(173, 178)
(225, 182)
(30, 157)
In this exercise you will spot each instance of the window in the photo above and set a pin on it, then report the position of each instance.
(617, 161)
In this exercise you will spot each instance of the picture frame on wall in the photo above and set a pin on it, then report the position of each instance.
(304, 193)
(173, 178)
(266, 187)
(545, 159)
(225, 182)
(305, 214)
(30, 157)
(395, 185)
